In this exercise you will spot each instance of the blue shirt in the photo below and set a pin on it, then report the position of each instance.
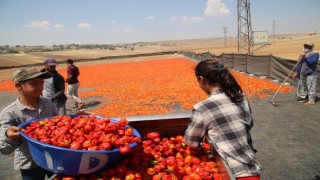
(308, 65)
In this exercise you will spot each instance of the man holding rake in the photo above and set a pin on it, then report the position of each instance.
(306, 71)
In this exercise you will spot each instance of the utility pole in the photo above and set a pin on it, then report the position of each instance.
(245, 39)
(225, 36)
(274, 31)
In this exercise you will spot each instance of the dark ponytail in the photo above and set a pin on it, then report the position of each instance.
(214, 72)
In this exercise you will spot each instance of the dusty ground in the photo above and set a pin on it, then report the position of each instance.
(287, 47)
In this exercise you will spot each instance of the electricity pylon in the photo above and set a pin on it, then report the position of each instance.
(245, 40)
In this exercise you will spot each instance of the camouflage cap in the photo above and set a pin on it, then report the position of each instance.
(24, 74)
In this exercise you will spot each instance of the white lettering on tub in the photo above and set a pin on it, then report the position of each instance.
(49, 160)
(84, 167)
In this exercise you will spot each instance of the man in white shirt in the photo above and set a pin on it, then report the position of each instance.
(54, 86)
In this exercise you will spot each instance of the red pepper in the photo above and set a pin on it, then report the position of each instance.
(153, 135)
(125, 149)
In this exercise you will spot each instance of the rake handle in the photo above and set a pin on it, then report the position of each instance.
(285, 80)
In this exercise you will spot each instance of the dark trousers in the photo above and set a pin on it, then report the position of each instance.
(35, 174)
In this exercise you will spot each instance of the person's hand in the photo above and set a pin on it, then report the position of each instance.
(13, 133)
(306, 55)
(199, 151)
(295, 75)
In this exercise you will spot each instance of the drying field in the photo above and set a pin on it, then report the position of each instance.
(153, 84)
(150, 87)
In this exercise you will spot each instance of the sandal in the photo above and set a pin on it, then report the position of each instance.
(310, 103)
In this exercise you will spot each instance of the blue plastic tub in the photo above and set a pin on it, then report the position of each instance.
(72, 162)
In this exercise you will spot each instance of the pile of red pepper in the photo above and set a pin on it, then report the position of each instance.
(159, 159)
(83, 133)
(154, 158)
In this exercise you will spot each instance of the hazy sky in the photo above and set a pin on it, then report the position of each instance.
(48, 22)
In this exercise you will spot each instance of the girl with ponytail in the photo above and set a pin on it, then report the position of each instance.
(224, 120)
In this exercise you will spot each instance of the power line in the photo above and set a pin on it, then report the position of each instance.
(225, 36)
(274, 30)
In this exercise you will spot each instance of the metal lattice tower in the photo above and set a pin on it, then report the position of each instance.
(245, 41)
